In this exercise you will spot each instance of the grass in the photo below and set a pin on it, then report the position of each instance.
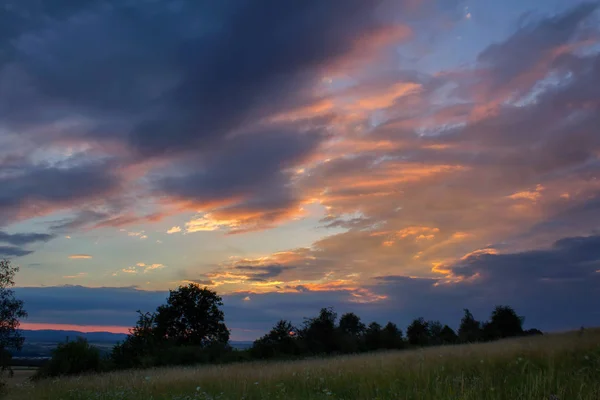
(563, 365)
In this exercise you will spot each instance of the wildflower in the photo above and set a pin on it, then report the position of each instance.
(256, 383)
(197, 388)
(586, 357)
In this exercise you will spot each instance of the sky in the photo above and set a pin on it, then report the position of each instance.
(394, 158)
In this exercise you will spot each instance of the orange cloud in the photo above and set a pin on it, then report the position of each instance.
(175, 229)
(80, 256)
(384, 98)
(528, 195)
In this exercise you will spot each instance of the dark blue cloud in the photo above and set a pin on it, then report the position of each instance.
(20, 239)
(13, 251)
(174, 80)
(42, 187)
(263, 272)
(183, 74)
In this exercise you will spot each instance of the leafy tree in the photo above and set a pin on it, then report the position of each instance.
(351, 324)
(11, 311)
(504, 322)
(351, 333)
(418, 332)
(192, 316)
(373, 336)
(434, 333)
(320, 334)
(72, 358)
(140, 346)
(281, 340)
(470, 329)
(391, 337)
(448, 336)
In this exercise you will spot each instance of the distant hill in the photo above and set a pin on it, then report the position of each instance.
(40, 343)
(56, 336)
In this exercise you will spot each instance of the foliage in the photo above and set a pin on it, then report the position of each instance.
(470, 329)
(140, 346)
(350, 324)
(504, 322)
(72, 358)
(319, 334)
(448, 336)
(192, 316)
(11, 312)
(280, 341)
(418, 332)
(373, 337)
(191, 319)
(391, 337)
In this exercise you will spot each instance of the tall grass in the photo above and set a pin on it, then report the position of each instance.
(561, 366)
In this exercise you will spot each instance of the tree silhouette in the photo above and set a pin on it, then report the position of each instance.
(418, 332)
(350, 324)
(351, 333)
(448, 336)
(470, 329)
(192, 316)
(391, 337)
(11, 311)
(319, 333)
(281, 340)
(434, 330)
(504, 322)
(140, 345)
(373, 336)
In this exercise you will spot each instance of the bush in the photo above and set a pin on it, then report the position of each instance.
(72, 358)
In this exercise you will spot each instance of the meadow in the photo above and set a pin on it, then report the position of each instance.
(562, 366)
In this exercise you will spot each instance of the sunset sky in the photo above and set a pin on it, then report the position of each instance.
(398, 158)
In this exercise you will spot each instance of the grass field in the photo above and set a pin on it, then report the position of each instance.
(561, 366)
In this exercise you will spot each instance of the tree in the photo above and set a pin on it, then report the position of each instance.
(320, 333)
(434, 331)
(11, 312)
(140, 346)
(391, 337)
(71, 358)
(418, 332)
(281, 340)
(351, 331)
(192, 316)
(373, 336)
(448, 336)
(350, 324)
(504, 322)
(470, 329)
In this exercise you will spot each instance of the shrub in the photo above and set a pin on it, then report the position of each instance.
(72, 358)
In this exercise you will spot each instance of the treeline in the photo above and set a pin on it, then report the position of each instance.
(325, 335)
(190, 329)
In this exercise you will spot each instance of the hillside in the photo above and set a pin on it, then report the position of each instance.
(556, 366)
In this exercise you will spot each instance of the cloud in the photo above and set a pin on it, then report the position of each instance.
(555, 288)
(19, 239)
(40, 189)
(175, 229)
(80, 256)
(10, 251)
